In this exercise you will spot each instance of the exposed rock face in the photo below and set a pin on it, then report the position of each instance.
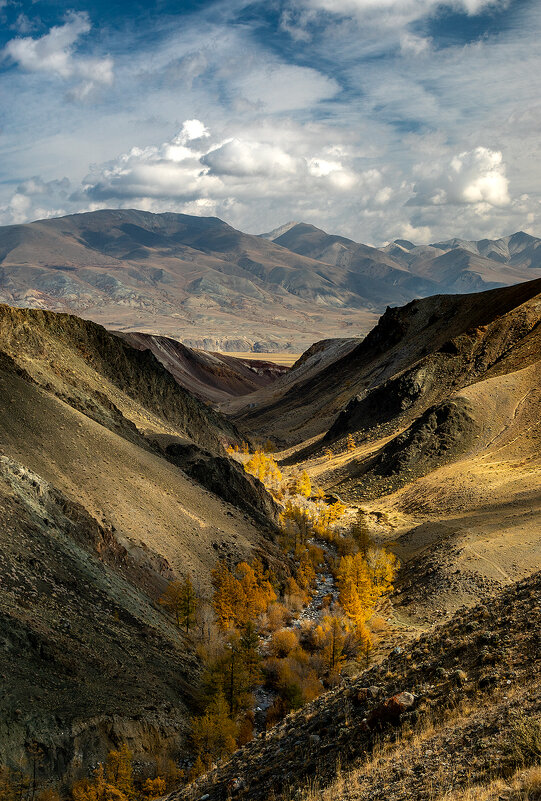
(96, 520)
(439, 435)
(415, 357)
(226, 479)
(465, 358)
(33, 338)
(81, 637)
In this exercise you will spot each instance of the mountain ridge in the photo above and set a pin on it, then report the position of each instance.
(200, 281)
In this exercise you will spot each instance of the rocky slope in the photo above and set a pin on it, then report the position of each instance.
(113, 481)
(414, 357)
(442, 712)
(309, 364)
(212, 377)
(441, 402)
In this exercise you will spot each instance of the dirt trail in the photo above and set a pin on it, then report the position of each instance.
(490, 562)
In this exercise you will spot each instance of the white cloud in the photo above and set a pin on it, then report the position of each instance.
(402, 10)
(32, 200)
(336, 142)
(245, 169)
(475, 177)
(241, 158)
(412, 45)
(53, 53)
(419, 235)
(278, 87)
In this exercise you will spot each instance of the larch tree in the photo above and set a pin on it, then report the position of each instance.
(189, 603)
(214, 732)
(228, 598)
(119, 772)
(172, 599)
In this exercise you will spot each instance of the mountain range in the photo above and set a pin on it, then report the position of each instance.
(210, 286)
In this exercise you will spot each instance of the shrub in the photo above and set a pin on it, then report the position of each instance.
(283, 642)
(526, 741)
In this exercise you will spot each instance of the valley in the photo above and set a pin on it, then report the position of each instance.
(249, 578)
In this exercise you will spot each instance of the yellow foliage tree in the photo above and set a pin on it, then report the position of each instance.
(118, 770)
(350, 602)
(354, 568)
(383, 567)
(264, 467)
(333, 636)
(301, 485)
(264, 581)
(96, 789)
(228, 596)
(154, 788)
(305, 574)
(350, 443)
(214, 733)
(254, 599)
(297, 522)
(241, 598)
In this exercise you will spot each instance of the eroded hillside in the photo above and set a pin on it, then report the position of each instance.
(113, 482)
(431, 426)
(212, 377)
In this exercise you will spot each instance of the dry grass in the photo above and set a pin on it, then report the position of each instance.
(523, 786)
(410, 746)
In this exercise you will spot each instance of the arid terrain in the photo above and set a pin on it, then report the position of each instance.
(442, 402)
(436, 719)
(129, 460)
(97, 518)
(211, 287)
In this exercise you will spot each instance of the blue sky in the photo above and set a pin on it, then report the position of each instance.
(376, 119)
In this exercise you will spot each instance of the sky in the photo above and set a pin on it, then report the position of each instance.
(374, 119)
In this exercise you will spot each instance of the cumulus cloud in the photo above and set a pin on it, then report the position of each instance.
(33, 199)
(475, 177)
(53, 53)
(244, 159)
(188, 169)
(337, 130)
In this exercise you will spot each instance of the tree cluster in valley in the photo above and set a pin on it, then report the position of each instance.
(114, 780)
(256, 641)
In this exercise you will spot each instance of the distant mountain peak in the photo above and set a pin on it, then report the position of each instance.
(404, 243)
(282, 229)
